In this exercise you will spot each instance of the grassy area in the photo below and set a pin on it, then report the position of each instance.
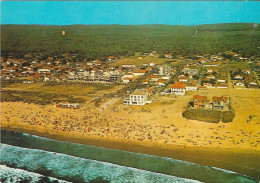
(169, 102)
(236, 65)
(37, 97)
(145, 60)
(43, 93)
(67, 89)
(212, 116)
(227, 116)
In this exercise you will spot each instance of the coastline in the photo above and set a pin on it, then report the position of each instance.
(242, 161)
(155, 129)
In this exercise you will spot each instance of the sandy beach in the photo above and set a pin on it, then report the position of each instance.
(157, 128)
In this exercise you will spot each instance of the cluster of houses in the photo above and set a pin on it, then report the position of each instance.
(216, 102)
(215, 78)
(189, 77)
(57, 69)
(131, 71)
(160, 77)
(243, 78)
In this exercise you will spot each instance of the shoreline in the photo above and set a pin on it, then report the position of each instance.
(243, 161)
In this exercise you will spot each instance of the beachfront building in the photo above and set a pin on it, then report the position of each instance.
(178, 89)
(71, 106)
(138, 97)
(199, 102)
(221, 103)
(202, 102)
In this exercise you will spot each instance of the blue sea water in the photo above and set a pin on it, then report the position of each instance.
(79, 169)
(82, 163)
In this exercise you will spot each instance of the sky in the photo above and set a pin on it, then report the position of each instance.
(129, 12)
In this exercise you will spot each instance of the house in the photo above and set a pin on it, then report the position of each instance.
(211, 77)
(139, 73)
(190, 71)
(28, 80)
(152, 64)
(199, 102)
(208, 85)
(138, 97)
(240, 83)
(221, 85)
(183, 78)
(161, 82)
(43, 70)
(168, 55)
(191, 87)
(145, 81)
(126, 80)
(111, 58)
(128, 66)
(178, 89)
(221, 79)
(220, 103)
(154, 78)
(238, 77)
(252, 83)
(128, 75)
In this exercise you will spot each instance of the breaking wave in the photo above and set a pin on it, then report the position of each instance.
(84, 163)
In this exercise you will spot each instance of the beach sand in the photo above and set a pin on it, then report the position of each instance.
(156, 128)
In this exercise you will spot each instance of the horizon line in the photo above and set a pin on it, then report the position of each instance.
(136, 24)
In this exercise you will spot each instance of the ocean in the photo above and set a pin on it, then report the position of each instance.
(38, 158)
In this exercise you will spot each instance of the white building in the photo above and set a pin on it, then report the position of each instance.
(164, 71)
(152, 64)
(138, 97)
(128, 66)
(240, 83)
(43, 70)
(178, 89)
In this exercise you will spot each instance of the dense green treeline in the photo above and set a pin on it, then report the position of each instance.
(95, 41)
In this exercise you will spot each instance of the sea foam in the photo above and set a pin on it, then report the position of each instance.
(78, 169)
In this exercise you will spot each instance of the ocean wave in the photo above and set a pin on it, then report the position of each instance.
(77, 169)
(18, 175)
(151, 163)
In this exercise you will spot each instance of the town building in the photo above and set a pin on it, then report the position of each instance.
(178, 89)
(138, 97)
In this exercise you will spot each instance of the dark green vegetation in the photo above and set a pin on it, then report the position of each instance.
(212, 116)
(96, 41)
